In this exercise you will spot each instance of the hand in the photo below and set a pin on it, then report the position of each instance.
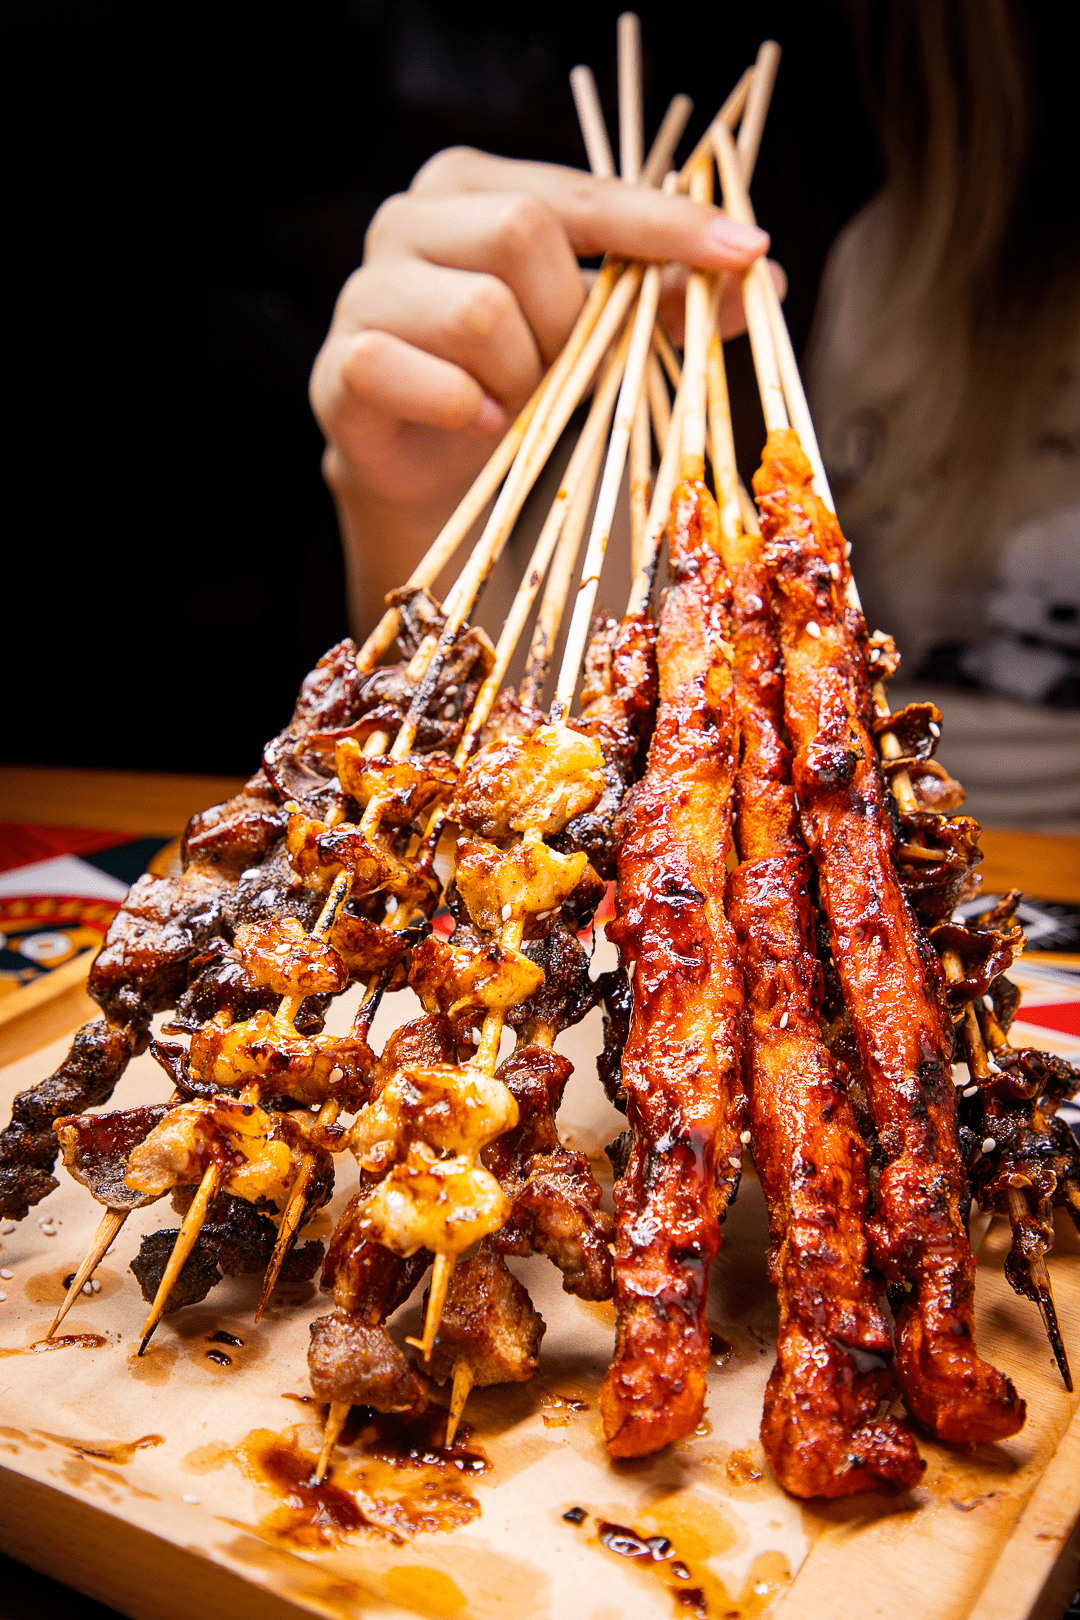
(468, 290)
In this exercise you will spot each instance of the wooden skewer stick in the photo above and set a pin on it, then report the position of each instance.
(459, 1394)
(659, 512)
(659, 403)
(111, 1222)
(190, 1228)
(758, 324)
(631, 103)
(757, 105)
(737, 202)
(591, 118)
(696, 345)
(558, 588)
(629, 393)
(578, 482)
(1044, 1293)
(640, 479)
(667, 356)
(662, 151)
(335, 1422)
(729, 116)
(441, 1272)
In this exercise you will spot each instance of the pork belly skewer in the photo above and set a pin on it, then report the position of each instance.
(680, 1070)
(819, 1427)
(933, 863)
(891, 979)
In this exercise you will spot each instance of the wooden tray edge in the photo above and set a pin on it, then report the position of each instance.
(1038, 1569)
(130, 1569)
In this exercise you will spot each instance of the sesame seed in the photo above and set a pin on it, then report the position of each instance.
(935, 729)
(7, 1228)
(192, 1501)
(834, 570)
(874, 655)
(784, 1021)
(6, 1274)
(48, 1231)
(736, 1164)
(970, 1091)
(745, 1138)
(989, 1144)
(95, 1286)
(3, 1296)
(813, 628)
(86, 1288)
(506, 911)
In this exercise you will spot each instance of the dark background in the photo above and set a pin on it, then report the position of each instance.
(188, 186)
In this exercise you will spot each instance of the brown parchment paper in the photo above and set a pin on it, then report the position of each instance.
(748, 1548)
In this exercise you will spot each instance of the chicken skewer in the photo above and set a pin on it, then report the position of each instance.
(891, 980)
(577, 482)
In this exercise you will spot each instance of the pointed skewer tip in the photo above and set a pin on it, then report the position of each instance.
(463, 1383)
(109, 1226)
(335, 1422)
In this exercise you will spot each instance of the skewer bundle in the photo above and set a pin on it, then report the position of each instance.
(807, 1006)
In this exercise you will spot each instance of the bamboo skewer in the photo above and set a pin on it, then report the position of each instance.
(190, 1228)
(640, 478)
(667, 356)
(659, 403)
(335, 1422)
(111, 1222)
(619, 444)
(459, 1394)
(737, 202)
(696, 347)
(631, 108)
(729, 116)
(662, 151)
(578, 482)
(591, 118)
(560, 579)
(757, 105)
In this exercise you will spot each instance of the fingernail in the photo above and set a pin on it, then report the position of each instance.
(490, 418)
(732, 235)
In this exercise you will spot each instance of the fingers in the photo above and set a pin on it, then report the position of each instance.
(601, 216)
(376, 372)
(516, 237)
(471, 319)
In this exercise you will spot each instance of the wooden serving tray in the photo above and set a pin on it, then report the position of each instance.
(146, 1484)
